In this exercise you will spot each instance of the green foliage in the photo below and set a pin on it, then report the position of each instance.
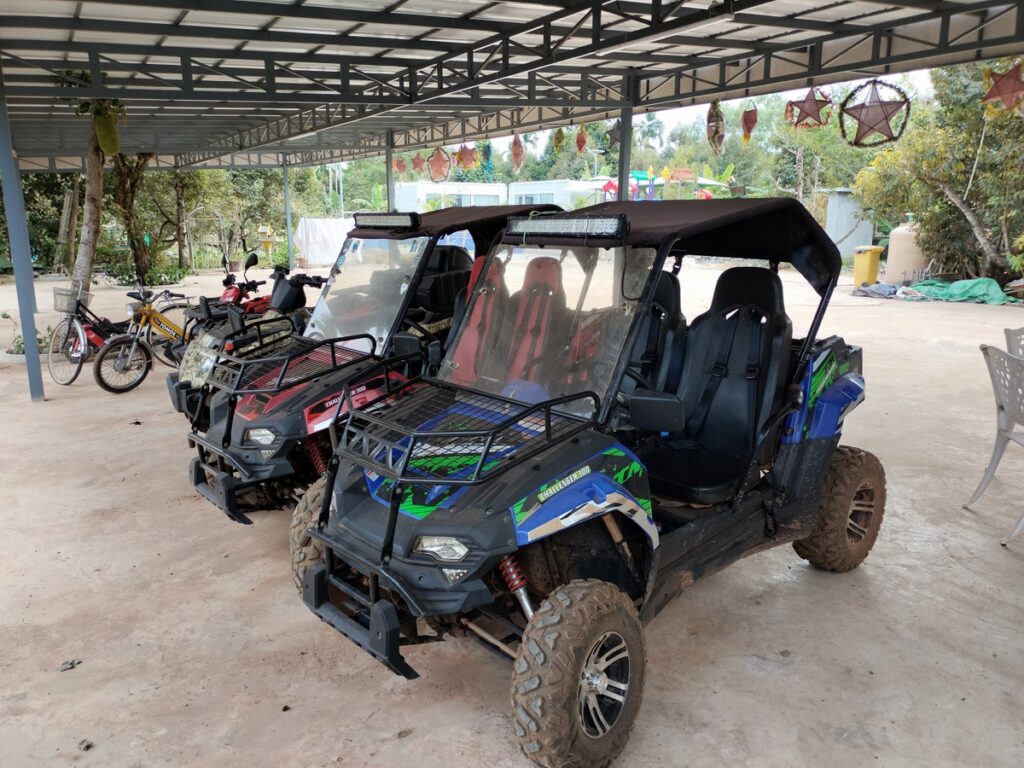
(158, 274)
(18, 342)
(958, 170)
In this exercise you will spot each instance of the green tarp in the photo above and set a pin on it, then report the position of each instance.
(981, 290)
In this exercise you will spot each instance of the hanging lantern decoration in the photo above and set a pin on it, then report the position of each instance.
(1003, 92)
(486, 154)
(814, 110)
(880, 112)
(614, 134)
(399, 164)
(581, 141)
(716, 127)
(558, 141)
(439, 164)
(518, 153)
(418, 163)
(748, 121)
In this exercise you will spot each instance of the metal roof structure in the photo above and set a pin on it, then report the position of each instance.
(217, 83)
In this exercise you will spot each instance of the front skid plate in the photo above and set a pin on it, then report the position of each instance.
(381, 639)
(221, 492)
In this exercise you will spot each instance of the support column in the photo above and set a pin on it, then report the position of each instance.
(288, 216)
(21, 253)
(389, 176)
(625, 150)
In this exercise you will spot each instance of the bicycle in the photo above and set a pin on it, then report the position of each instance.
(124, 361)
(80, 333)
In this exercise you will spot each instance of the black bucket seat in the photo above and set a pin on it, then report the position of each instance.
(733, 377)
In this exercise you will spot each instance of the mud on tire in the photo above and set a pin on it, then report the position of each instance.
(849, 513)
(552, 705)
(303, 548)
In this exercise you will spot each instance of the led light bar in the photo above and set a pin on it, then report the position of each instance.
(569, 226)
(387, 220)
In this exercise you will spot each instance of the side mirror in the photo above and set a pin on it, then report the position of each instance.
(235, 320)
(252, 260)
(435, 354)
(404, 343)
(651, 411)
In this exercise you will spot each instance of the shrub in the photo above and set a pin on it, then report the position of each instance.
(159, 274)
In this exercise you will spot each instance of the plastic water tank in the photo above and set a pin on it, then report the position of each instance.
(907, 262)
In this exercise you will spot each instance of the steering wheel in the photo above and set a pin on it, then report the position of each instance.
(426, 334)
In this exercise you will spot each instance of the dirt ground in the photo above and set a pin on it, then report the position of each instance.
(195, 649)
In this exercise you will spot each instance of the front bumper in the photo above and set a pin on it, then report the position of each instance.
(221, 474)
(374, 626)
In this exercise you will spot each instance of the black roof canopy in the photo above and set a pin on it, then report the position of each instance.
(777, 229)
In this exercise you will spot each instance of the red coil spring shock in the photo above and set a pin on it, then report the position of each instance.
(513, 574)
(316, 455)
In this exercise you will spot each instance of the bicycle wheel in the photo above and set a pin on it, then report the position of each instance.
(162, 345)
(67, 351)
(122, 364)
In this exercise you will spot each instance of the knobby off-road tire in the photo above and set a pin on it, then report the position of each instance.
(304, 549)
(552, 698)
(849, 513)
(115, 381)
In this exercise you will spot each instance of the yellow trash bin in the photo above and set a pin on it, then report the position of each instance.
(865, 264)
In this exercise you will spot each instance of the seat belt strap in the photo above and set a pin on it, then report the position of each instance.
(753, 372)
(718, 372)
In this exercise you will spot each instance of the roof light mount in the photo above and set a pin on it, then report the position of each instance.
(387, 220)
(614, 227)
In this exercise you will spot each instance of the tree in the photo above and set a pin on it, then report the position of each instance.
(128, 173)
(104, 117)
(958, 168)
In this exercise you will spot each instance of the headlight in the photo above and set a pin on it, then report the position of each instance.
(132, 307)
(206, 364)
(260, 436)
(444, 548)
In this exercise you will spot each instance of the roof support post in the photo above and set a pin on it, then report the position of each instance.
(625, 149)
(389, 170)
(288, 214)
(21, 254)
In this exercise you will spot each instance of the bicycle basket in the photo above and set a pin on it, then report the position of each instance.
(66, 299)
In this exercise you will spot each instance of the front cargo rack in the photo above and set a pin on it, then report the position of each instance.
(429, 432)
(295, 361)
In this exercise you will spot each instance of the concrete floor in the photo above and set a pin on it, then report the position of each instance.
(192, 640)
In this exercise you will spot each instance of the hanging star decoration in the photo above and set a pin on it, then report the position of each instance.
(581, 141)
(418, 163)
(614, 134)
(716, 127)
(439, 164)
(465, 158)
(880, 110)
(814, 110)
(748, 120)
(1006, 90)
(558, 139)
(399, 164)
(517, 153)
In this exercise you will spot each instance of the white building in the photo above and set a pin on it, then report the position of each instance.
(567, 193)
(422, 196)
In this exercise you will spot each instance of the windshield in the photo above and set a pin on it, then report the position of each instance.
(366, 289)
(548, 322)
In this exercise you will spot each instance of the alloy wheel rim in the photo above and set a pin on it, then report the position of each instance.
(603, 685)
(861, 514)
